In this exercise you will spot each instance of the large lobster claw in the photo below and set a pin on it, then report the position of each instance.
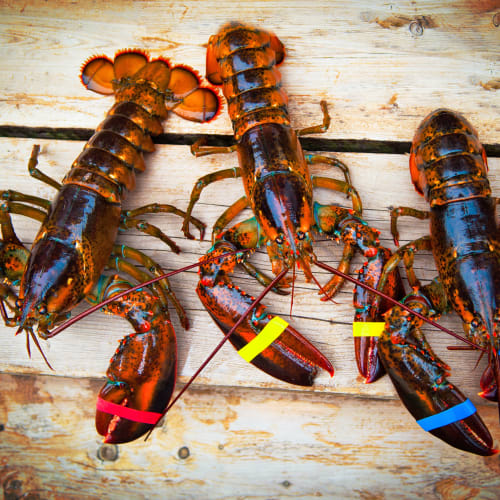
(142, 372)
(290, 358)
(419, 377)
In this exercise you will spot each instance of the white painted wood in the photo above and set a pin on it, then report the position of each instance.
(340, 439)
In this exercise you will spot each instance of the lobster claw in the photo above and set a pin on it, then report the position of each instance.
(419, 377)
(366, 347)
(290, 357)
(141, 379)
(488, 384)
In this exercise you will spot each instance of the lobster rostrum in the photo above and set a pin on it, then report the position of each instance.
(449, 167)
(76, 241)
(279, 191)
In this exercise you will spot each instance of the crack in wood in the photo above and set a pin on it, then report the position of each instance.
(309, 144)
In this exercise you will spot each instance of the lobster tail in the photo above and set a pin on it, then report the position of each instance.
(191, 101)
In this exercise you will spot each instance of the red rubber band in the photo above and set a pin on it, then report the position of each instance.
(144, 417)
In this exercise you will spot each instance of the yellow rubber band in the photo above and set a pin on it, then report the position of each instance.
(367, 328)
(264, 339)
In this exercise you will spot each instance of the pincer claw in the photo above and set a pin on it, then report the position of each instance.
(419, 377)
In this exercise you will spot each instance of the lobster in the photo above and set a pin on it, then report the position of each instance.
(279, 191)
(448, 166)
(76, 241)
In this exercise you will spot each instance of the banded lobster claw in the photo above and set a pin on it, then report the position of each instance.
(419, 377)
(290, 357)
(142, 372)
(371, 310)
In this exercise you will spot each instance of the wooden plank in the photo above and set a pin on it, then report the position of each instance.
(240, 444)
(84, 350)
(381, 66)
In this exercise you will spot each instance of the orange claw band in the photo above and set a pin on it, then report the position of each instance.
(264, 339)
(367, 328)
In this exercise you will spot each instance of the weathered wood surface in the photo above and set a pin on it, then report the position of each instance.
(241, 444)
(381, 66)
(83, 350)
(380, 76)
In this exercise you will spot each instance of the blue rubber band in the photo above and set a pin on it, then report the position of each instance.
(449, 416)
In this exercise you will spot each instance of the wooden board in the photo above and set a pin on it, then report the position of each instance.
(381, 67)
(240, 444)
(328, 325)
(379, 76)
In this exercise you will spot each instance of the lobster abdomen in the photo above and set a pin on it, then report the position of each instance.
(243, 60)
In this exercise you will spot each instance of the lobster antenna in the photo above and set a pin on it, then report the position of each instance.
(293, 289)
(39, 347)
(322, 290)
(92, 309)
(250, 308)
(319, 264)
(395, 302)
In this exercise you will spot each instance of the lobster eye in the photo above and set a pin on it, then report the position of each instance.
(301, 235)
(42, 309)
(475, 323)
(279, 239)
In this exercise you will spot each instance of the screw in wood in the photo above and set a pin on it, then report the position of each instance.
(107, 452)
(416, 28)
(183, 452)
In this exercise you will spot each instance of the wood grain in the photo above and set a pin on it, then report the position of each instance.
(381, 67)
(84, 349)
(241, 444)
(379, 76)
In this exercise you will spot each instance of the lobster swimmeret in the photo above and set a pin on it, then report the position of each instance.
(449, 167)
(279, 191)
(77, 238)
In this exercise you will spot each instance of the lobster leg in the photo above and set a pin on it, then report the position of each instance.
(128, 221)
(419, 376)
(228, 215)
(336, 222)
(404, 211)
(290, 357)
(13, 254)
(161, 288)
(317, 129)
(38, 174)
(229, 173)
(9, 298)
(156, 208)
(335, 283)
(328, 183)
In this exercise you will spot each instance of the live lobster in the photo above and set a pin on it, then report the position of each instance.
(76, 240)
(279, 191)
(448, 166)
